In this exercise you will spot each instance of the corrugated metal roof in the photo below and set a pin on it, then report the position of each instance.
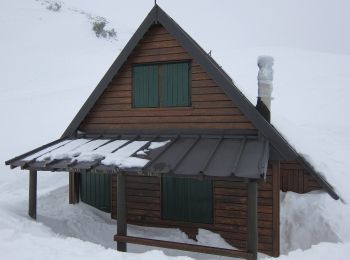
(182, 155)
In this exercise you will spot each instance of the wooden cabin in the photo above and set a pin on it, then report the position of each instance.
(170, 141)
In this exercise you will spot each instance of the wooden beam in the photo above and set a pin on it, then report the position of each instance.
(276, 179)
(73, 187)
(32, 193)
(184, 247)
(252, 239)
(121, 211)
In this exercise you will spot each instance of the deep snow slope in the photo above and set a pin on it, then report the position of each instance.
(51, 61)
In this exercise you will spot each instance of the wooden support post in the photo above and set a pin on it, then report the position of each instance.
(276, 208)
(252, 240)
(32, 193)
(121, 211)
(74, 187)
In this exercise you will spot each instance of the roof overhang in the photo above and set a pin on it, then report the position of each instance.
(244, 157)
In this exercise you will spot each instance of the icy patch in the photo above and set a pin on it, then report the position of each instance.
(155, 145)
(100, 152)
(142, 152)
(46, 150)
(64, 152)
(122, 158)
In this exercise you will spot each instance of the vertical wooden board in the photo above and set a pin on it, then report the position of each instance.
(145, 86)
(32, 194)
(276, 208)
(187, 200)
(295, 178)
(95, 190)
(83, 184)
(173, 198)
(114, 196)
(70, 185)
(301, 181)
(200, 201)
(73, 187)
(121, 211)
(175, 84)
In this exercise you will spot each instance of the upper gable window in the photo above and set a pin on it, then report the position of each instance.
(161, 85)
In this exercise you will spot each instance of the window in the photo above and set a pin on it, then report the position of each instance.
(187, 200)
(161, 85)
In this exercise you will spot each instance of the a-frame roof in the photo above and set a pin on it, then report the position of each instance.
(158, 16)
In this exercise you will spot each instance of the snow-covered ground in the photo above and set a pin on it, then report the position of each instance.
(50, 61)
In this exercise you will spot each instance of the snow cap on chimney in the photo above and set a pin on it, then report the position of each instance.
(265, 78)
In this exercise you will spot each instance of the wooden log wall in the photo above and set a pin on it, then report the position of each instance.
(211, 108)
(295, 178)
(230, 210)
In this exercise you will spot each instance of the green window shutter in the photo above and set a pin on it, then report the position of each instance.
(145, 86)
(174, 198)
(95, 190)
(200, 201)
(175, 84)
(187, 200)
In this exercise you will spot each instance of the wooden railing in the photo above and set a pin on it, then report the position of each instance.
(184, 247)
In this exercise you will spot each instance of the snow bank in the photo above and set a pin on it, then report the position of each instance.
(310, 219)
(338, 251)
(89, 224)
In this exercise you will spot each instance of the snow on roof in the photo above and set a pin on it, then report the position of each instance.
(189, 155)
(111, 152)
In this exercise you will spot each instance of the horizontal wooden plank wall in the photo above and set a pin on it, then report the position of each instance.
(211, 108)
(230, 205)
(143, 199)
(231, 218)
(295, 178)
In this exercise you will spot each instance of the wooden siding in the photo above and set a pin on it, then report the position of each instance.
(295, 178)
(211, 108)
(230, 206)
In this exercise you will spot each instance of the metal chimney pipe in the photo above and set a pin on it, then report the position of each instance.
(265, 78)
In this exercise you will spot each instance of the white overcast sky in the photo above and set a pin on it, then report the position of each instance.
(319, 25)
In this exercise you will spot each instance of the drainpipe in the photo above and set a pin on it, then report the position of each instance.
(265, 78)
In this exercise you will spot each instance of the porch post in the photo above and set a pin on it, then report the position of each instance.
(121, 210)
(32, 193)
(73, 187)
(252, 240)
